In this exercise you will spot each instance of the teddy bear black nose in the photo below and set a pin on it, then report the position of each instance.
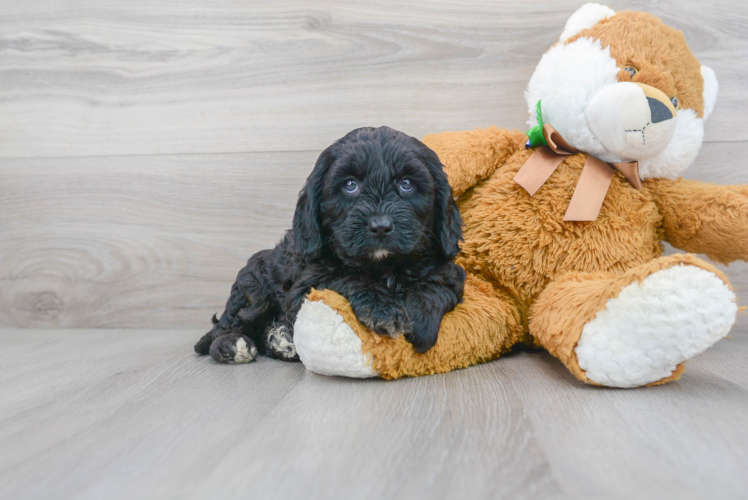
(380, 225)
(659, 111)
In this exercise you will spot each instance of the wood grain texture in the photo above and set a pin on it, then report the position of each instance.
(123, 241)
(119, 414)
(683, 440)
(148, 148)
(168, 76)
(156, 241)
(153, 231)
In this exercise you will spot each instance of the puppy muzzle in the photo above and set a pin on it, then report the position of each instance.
(632, 120)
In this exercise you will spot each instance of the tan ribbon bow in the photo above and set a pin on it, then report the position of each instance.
(593, 183)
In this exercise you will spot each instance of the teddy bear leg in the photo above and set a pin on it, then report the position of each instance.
(330, 340)
(637, 328)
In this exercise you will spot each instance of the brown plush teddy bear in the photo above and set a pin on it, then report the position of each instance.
(563, 231)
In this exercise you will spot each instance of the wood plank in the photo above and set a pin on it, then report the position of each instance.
(136, 415)
(156, 241)
(686, 439)
(166, 77)
(119, 401)
(100, 242)
(461, 435)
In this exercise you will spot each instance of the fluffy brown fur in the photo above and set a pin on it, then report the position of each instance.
(562, 310)
(703, 218)
(479, 329)
(487, 323)
(536, 279)
(658, 51)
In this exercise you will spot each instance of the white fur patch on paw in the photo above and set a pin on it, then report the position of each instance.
(652, 326)
(279, 341)
(244, 353)
(327, 345)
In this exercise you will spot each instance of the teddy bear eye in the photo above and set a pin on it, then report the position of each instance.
(675, 102)
(631, 71)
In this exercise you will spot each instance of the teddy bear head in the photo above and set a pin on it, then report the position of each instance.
(624, 86)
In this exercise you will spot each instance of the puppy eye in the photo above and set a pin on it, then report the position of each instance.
(406, 185)
(631, 71)
(675, 102)
(350, 186)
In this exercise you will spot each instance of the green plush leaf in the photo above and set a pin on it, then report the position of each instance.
(535, 134)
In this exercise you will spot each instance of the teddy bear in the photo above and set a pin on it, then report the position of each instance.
(564, 224)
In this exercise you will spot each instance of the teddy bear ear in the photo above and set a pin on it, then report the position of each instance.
(711, 89)
(585, 17)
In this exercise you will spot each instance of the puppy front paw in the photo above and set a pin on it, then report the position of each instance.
(233, 348)
(392, 321)
(425, 331)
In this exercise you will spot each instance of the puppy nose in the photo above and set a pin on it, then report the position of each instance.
(380, 226)
(659, 111)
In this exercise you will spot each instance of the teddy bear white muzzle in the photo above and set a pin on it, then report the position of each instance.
(632, 121)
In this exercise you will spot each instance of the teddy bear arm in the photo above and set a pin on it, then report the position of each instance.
(472, 155)
(331, 341)
(704, 218)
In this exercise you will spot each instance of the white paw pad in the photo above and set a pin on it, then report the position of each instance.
(652, 326)
(327, 345)
(244, 353)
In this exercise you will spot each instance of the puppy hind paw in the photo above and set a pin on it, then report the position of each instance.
(203, 345)
(233, 348)
(279, 343)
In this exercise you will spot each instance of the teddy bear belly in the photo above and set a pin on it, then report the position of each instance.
(522, 243)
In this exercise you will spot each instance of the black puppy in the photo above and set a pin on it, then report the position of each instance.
(375, 222)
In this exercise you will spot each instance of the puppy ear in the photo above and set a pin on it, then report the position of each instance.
(447, 219)
(307, 231)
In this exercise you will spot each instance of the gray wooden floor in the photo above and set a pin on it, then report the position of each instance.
(99, 414)
(147, 148)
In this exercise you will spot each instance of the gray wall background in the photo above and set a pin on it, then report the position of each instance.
(148, 148)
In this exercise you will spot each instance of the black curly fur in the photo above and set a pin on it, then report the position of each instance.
(335, 245)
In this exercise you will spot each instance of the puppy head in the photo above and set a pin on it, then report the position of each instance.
(377, 194)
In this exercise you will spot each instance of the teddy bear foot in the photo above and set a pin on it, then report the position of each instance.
(643, 334)
(327, 345)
